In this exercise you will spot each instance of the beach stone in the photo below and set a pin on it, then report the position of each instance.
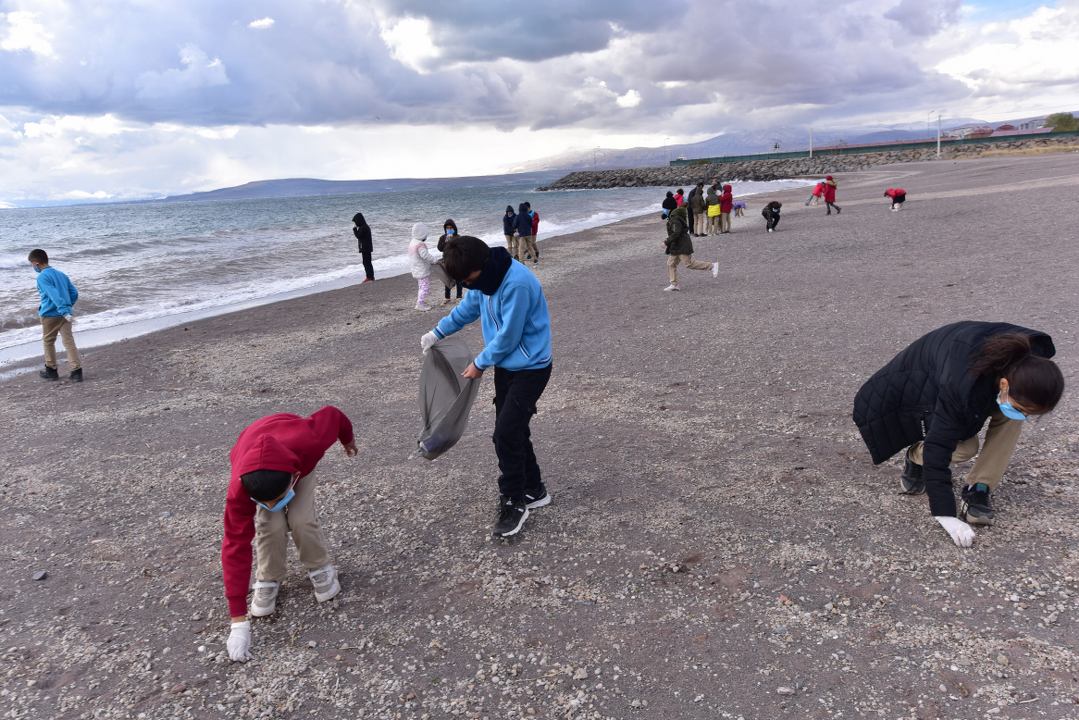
(1002, 659)
(785, 691)
(41, 575)
(178, 688)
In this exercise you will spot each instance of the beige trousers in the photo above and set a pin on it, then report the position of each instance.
(528, 244)
(301, 519)
(698, 223)
(713, 225)
(688, 261)
(50, 327)
(511, 245)
(996, 452)
(724, 222)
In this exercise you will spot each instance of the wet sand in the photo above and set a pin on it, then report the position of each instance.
(717, 530)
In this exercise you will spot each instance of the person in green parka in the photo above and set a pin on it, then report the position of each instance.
(679, 247)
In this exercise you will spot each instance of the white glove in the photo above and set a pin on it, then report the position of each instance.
(427, 341)
(70, 317)
(240, 639)
(961, 533)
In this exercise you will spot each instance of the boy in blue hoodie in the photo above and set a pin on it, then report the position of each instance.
(58, 297)
(508, 301)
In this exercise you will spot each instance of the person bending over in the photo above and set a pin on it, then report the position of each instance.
(272, 494)
(771, 214)
(898, 196)
(508, 301)
(934, 397)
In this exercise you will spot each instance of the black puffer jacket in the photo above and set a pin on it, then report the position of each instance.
(927, 393)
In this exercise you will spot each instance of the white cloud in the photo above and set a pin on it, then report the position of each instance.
(632, 98)
(198, 71)
(263, 24)
(409, 41)
(25, 33)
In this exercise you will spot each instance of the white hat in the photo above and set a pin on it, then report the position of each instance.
(419, 231)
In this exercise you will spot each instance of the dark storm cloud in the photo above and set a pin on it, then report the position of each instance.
(617, 65)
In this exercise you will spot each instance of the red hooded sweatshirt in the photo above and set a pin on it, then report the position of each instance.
(895, 192)
(535, 223)
(283, 442)
(829, 190)
(726, 200)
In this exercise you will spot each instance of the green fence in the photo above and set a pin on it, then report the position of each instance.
(864, 149)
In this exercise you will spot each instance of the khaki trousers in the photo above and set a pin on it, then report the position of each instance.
(713, 224)
(996, 451)
(698, 223)
(688, 261)
(528, 244)
(511, 245)
(298, 517)
(50, 327)
(725, 222)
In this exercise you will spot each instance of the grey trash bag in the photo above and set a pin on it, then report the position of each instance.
(445, 396)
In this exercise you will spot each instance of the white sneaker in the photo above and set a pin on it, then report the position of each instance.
(265, 599)
(423, 308)
(671, 288)
(715, 269)
(769, 229)
(325, 582)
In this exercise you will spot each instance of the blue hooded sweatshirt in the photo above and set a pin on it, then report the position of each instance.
(508, 221)
(523, 223)
(58, 295)
(516, 324)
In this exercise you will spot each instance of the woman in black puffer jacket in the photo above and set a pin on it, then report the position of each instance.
(934, 397)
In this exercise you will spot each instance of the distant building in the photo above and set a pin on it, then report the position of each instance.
(1032, 124)
(968, 131)
(1006, 127)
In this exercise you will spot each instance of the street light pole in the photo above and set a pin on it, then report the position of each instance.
(810, 142)
(938, 136)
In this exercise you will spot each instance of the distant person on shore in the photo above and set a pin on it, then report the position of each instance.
(523, 226)
(739, 208)
(698, 210)
(362, 231)
(669, 203)
(679, 246)
(271, 494)
(771, 214)
(449, 229)
(534, 239)
(712, 200)
(679, 196)
(508, 301)
(933, 398)
(726, 200)
(898, 196)
(815, 196)
(508, 222)
(57, 312)
(829, 196)
(420, 260)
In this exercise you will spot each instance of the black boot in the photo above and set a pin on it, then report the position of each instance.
(49, 373)
(912, 482)
(75, 376)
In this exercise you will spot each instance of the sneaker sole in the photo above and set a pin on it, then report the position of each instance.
(256, 611)
(904, 490)
(542, 502)
(329, 594)
(514, 531)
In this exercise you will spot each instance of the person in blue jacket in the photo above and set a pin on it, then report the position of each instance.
(523, 226)
(508, 301)
(58, 297)
(509, 223)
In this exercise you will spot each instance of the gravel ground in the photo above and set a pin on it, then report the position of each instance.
(719, 545)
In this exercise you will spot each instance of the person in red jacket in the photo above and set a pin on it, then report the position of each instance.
(726, 201)
(535, 229)
(898, 196)
(829, 196)
(272, 493)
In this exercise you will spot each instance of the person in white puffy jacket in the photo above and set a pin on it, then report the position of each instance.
(419, 258)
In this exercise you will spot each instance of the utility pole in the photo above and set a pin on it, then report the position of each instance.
(810, 142)
(594, 159)
(938, 136)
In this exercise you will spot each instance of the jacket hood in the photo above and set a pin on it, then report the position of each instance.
(419, 232)
(712, 191)
(726, 188)
(509, 208)
(493, 273)
(680, 211)
(358, 219)
(452, 224)
(827, 177)
(522, 209)
(670, 194)
(268, 454)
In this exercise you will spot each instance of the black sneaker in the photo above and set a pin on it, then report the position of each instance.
(537, 498)
(75, 376)
(511, 517)
(975, 508)
(49, 373)
(912, 482)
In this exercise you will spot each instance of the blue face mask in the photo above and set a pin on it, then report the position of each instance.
(281, 503)
(37, 269)
(451, 231)
(1009, 411)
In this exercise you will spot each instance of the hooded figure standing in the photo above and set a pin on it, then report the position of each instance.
(420, 261)
(712, 200)
(680, 248)
(362, 231)
(508, 222)
(726, 200)
(698, 210)
(523, 225)
(449, 229)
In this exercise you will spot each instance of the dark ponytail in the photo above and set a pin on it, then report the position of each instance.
(1034, 382)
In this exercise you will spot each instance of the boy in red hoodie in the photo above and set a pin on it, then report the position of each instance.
(272, 491)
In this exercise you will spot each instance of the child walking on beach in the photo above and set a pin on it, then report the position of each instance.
(419, 258)
(680, 248)
(508, 301)
(271, 494)
(829, 196)
(58, 298)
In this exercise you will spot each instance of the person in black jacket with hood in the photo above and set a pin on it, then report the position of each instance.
(771, 214)
(669, 204)
(509, 220)
(449, 229)
(362, 231)
(523, 225)
(934, 397)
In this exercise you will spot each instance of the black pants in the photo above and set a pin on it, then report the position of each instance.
(367, 266)
(516, 394)
(459, 288)
(899, 200)
(830, 206)
(773, 221)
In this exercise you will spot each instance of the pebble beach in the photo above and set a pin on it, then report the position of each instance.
(719, 544)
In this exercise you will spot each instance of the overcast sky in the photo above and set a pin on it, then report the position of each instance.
(120, 99)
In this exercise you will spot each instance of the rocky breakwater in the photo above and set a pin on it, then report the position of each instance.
(758, 170)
